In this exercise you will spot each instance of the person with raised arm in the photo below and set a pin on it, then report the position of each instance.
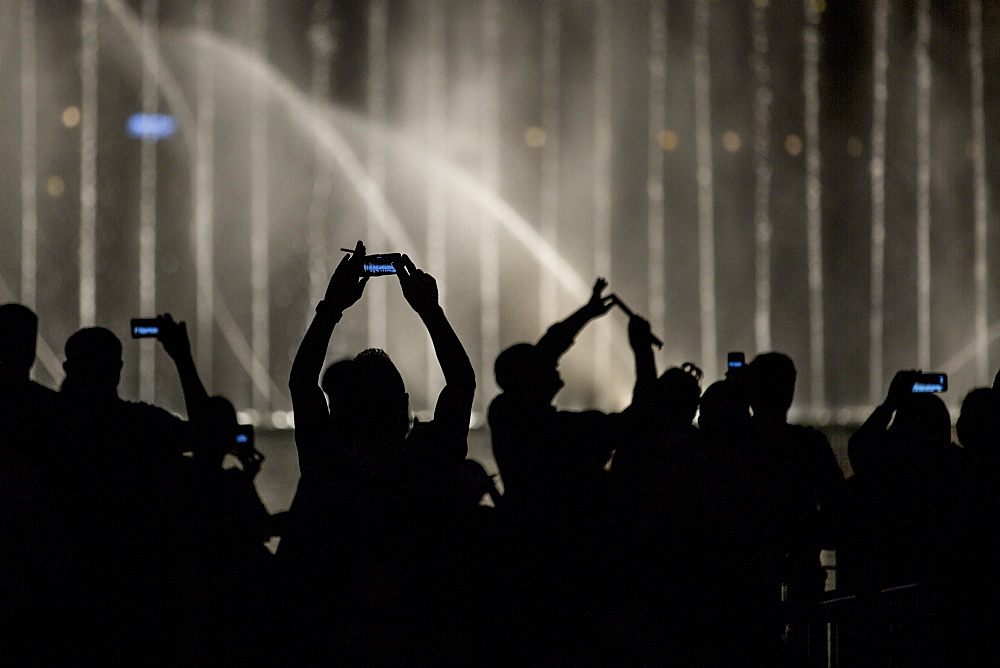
(363, 548)
(556, 489)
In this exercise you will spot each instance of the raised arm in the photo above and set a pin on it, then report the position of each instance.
(559, 337)
(868, 434)
(174, 337)
(346, 287)
(454, 404)
(641, 339)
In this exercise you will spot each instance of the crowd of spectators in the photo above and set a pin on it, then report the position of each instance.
(674, 532)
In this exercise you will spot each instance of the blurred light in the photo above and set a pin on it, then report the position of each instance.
(71, 116)
(280, 420)
(249, 416)
(55, 186)
(151, 126)
(731, 141)
(819, 6)
(534, 137)
(845, 416)
(854, 147)
(971, 149)
(668, 140)
(793, 144)
(762, 3)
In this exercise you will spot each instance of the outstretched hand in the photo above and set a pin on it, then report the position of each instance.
(348, 281)
(419, 288)
(900, 388)
(173, 336)
(599, 304)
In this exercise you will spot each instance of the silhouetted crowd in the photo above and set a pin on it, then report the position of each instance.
(678, 531)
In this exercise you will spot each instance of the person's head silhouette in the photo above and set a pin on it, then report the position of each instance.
(922, 421)
(724, 413)
(93, 362)
(678, 392)
(521, 370)
(977, 423)
(375, 406)
(772, 385)
(18, 333)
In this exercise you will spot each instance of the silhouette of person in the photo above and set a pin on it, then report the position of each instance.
(35, 553)
(556, 491)
(365, 532)
(901, 503)
(804, 476)
(550, 460)
(212, 545)
(27, 409)
(116, 457)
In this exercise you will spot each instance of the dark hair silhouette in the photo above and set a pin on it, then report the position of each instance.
(978, 420)
(724, 410)
(922, 420)
(18, 333)
(93, 360)
(525, 370)
(772, 384)
(678, 391)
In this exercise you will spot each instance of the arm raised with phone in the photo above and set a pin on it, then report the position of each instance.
(312, 416)
(454, 405)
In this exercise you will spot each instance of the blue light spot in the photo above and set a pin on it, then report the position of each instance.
(151, 127)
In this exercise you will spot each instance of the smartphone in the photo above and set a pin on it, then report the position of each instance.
(244, 436)
(930, 382)
(736, 361)
(143, 328)
(382, 264)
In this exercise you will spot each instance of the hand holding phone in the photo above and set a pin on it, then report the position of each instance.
(348, 281)
(419, 288)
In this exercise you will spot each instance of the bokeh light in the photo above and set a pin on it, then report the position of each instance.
(71, 116)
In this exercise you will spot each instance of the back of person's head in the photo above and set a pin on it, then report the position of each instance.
(93, 358)
(332, 382)
(374, 400)
(978, 421)
(723, 411)
(772, 383)
(922, 421)
(18, 333)
(521, 370)
(677, 394)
